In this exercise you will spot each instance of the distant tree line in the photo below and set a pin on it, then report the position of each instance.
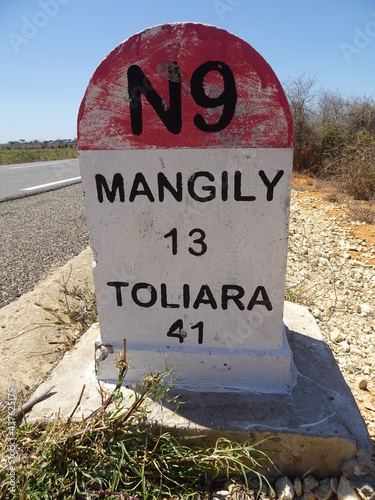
(56, 144)
(28, 151)
(334, 135)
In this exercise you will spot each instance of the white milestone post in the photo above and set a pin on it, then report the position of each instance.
(185, 143)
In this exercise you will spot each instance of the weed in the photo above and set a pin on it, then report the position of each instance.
(75, 314)
(115, 452)
(362, 213)
(332, 197)
(298, 295)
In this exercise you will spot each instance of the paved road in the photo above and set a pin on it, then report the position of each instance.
(38, 235)
(29, 178)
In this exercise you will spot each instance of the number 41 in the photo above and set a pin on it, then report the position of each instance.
(177, 330)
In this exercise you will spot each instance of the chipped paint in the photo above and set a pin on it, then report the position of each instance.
(262, 117)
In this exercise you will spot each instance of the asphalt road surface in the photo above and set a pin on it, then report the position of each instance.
(30, 178)
(39, 234)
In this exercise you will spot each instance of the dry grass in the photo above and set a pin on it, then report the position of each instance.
(116, 453)
(363, 213)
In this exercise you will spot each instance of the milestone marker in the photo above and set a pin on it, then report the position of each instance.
(185, 140)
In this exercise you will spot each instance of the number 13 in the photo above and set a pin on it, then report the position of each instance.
(202, 249)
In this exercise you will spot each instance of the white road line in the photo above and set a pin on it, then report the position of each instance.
(40, 164)
(51, 184)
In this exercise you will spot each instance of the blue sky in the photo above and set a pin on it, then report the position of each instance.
(50, 48)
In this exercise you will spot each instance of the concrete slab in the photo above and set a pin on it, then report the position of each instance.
(316, 428)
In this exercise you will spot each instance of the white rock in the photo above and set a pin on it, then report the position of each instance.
(336, 335)
(297, 485)
(284, 488)
(317, 314)
(220, 495)
(324, 490)
(364, 308)
(366, 491)
(345, 491)
(334, 484)
(309, 483)
(345, 346)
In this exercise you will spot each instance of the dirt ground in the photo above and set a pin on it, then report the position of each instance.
(324, 193)
(30, 343)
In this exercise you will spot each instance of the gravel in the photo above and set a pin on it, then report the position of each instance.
(38, 235)
(283, 489)
(331, 270)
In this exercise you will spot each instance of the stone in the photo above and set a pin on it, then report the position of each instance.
(362, 384)
(221, 495)
(364, 485)
(297, 485)
(317, 314)
(272, 494)
(364, 309)
(233, 487)
(284, 488)
(336, 335)
(243, 494)
(365, 493)
(345, 346)
(334, 484)
(309, 483)
(308, 495)
(238, 491)
(324, 491)
(345, 491)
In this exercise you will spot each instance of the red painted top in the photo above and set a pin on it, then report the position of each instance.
(183, 79)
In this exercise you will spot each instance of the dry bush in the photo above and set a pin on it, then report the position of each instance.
(356, 169)
(363, 213)
(360, 116)
(300, 92)
(334, 136)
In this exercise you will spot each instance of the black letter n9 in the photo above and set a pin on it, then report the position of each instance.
(227, 99)
(139, 84)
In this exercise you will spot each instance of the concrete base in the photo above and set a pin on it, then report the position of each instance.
(214, 370)
(316, 428)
